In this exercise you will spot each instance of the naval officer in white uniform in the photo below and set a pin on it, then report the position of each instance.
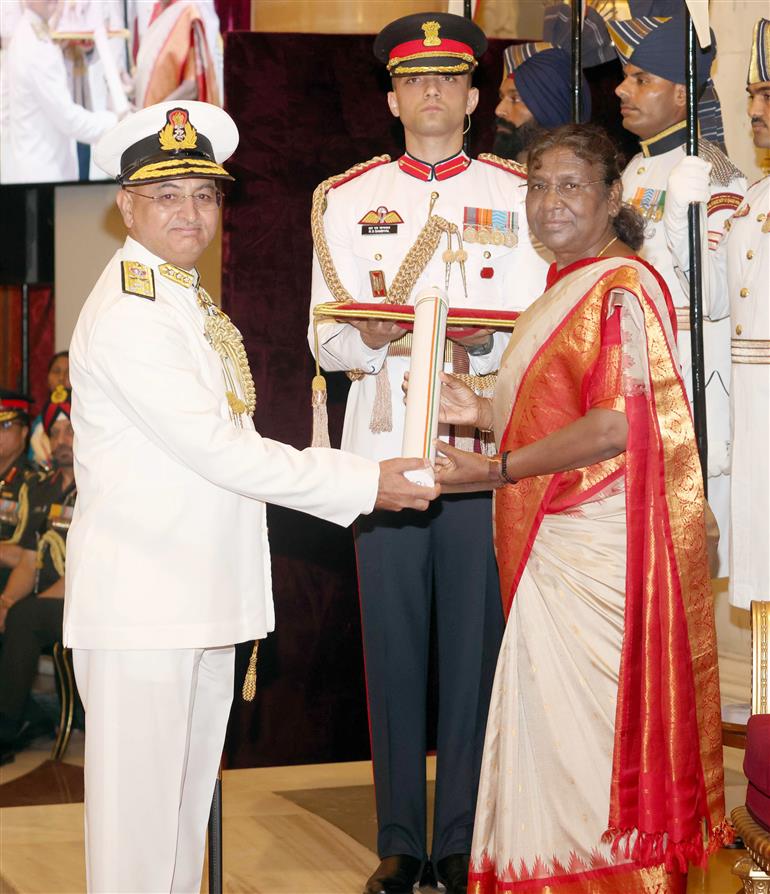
(168, 561)
(740, 276)
(43, 121)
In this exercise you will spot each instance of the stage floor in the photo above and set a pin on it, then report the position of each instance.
(287, 830)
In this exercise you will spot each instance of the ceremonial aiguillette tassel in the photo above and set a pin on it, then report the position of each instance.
(382, 410)
(250, 680)
(320, 415)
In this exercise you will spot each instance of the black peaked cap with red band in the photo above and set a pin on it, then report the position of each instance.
(430, 43)
(14, 405)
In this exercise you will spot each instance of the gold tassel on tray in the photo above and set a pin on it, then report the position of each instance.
(250, 680)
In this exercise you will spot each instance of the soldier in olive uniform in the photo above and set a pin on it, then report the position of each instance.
(32, 601)
(15, 470)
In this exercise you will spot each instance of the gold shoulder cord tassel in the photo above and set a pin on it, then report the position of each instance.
(250, 680)
(320, 414)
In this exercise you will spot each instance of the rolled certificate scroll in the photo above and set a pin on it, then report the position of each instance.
(423, 396)
(111, 76)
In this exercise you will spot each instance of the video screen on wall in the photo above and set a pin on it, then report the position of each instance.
(69, 69)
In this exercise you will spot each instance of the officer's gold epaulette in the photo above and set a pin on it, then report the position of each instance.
(361, 168)
(137, 279)
(505, 164)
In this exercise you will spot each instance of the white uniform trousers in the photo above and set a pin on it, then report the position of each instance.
(155, 729)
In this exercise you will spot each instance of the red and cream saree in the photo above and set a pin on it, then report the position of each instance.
(174, 48)
(602, 767)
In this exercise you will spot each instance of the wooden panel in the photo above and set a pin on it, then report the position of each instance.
(335, 16)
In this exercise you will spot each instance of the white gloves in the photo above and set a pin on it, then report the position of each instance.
(688, 182)
(718, 458)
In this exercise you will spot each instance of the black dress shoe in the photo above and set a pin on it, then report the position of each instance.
(452, 872)
(428, 876)
(395, 875)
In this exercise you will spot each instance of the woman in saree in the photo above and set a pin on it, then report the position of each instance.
(602, 767)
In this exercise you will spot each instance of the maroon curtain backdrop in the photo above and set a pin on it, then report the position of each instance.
(234, 15)
(41, 339)
(307, 106)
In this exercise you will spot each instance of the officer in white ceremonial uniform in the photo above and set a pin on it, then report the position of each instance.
(373, 217)
(43, 121)
(652, 98)
(168, 561)
(740, 277)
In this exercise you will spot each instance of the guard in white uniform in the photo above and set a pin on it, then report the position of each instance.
(168, 561)
(740, 274)
(43, 120)
(374, 215)
(653, 106)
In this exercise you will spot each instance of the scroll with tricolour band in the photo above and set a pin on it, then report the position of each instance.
(424, 394)
(462, 320)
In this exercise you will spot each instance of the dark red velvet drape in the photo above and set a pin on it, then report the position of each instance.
(41, 339)
(307, 106)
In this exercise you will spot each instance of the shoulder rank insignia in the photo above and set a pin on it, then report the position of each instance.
(351, 173)
(505, 164)
(177, 275)
(137, 279)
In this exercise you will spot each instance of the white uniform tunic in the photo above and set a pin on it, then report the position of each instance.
(475, 195)
(168, 545)
(644, 186)
(743, 258)
(44, 122)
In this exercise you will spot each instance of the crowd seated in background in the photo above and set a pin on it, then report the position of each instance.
(32, 600)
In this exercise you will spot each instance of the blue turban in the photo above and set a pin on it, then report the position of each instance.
(542, 75)
(656, 45)
(597, 47)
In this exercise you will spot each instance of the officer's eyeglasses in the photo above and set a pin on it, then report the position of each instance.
(569, 189)
(203, 199)
(8, 424)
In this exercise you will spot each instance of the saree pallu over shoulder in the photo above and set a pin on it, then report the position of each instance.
(667, 803)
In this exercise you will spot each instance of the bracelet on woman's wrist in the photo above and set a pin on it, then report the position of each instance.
(504, 468)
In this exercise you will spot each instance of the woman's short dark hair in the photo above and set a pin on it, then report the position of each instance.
(591, 144)
(56, 356)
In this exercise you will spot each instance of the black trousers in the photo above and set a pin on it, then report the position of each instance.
(405, 560)
(32, 625)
